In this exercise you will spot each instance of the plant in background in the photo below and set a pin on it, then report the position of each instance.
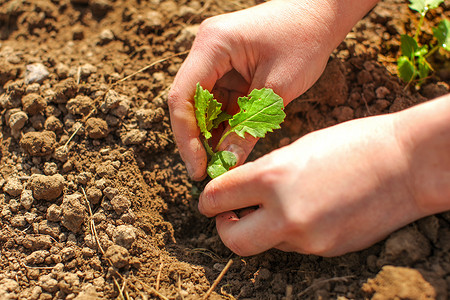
(260, 112)
(413, 62)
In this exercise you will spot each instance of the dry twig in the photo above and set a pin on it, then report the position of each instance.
(218, 279)
(158, 277)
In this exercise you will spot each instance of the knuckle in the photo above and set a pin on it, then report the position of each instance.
(210, 202)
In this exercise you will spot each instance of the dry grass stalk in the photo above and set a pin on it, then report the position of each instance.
(218, 279)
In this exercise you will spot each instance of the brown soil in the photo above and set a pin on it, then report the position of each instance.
(112, 207)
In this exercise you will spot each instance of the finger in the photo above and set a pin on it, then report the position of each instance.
(236, 189)
(250, 235)
(200, 66)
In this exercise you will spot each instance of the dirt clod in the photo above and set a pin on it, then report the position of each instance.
(399, 283)
(118, 255)
(46, 187)
(38, 143)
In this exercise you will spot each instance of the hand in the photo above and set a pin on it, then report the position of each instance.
(339, 189)
(283, 45)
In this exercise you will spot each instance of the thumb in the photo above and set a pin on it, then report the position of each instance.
(240, 147)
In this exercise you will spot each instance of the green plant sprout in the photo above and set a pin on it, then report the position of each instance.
(413, 61)
(260, 112)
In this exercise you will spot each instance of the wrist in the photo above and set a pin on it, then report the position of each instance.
(424, 133)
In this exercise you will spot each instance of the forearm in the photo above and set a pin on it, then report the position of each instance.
(338, 16)
(424, 132)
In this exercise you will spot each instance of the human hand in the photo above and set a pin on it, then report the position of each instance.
(281, 44)
(333, 191)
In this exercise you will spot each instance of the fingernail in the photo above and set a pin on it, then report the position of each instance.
(237, 151)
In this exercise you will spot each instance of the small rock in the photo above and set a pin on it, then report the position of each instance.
(26, 198)
(33, 103)
(33, 88)
(62, 70)
(110, 192)
(122, 109)
(147, 117)
(112, 100)
(14, 205)
(80, 105)
(46, 187)
(61, 154)
(38, 143)
(87, 70)
(106, 36)
(17, 121)
(67, 253)
(120, 204)
(94, 195)
(35, 73)
(52, 123)
(96, 128)
(54, 213)
(73, 212)
(50, 168)
(118, 256)
(124, 236)
(13, 187)
(133, 137)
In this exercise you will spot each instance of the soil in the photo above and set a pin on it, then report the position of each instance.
(96, 201)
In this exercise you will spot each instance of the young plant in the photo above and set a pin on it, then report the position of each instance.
(260, 112)
(413, 61)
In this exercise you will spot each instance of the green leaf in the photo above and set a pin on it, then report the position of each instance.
(406, 69)
(442, 34)
(424, 67)
(220, 163)
(260, 113)
(408, 46)
(207, 109)
(223, 116)
(422, 6)
(421, 51)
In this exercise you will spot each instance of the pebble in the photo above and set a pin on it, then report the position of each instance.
(26, 198)
(13, 187)
(17, 121)
(54, 213)
(96, 128)
(87, 70)
(73, 212)
(36, 72)
(120, 204)
(94, 195)
(134, 137)
(106, 36)
(124, 236)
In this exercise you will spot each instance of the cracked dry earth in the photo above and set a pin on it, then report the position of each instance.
(96, 202)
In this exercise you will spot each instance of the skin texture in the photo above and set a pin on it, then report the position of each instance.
(333, 191)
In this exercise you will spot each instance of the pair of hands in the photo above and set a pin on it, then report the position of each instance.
(332, 191)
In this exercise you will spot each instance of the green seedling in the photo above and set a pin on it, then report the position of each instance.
(413, 62)
(260, 112)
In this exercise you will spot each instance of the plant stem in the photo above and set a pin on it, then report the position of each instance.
(207, 147)
(434, 49)
(422, 17)
(223, 138)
